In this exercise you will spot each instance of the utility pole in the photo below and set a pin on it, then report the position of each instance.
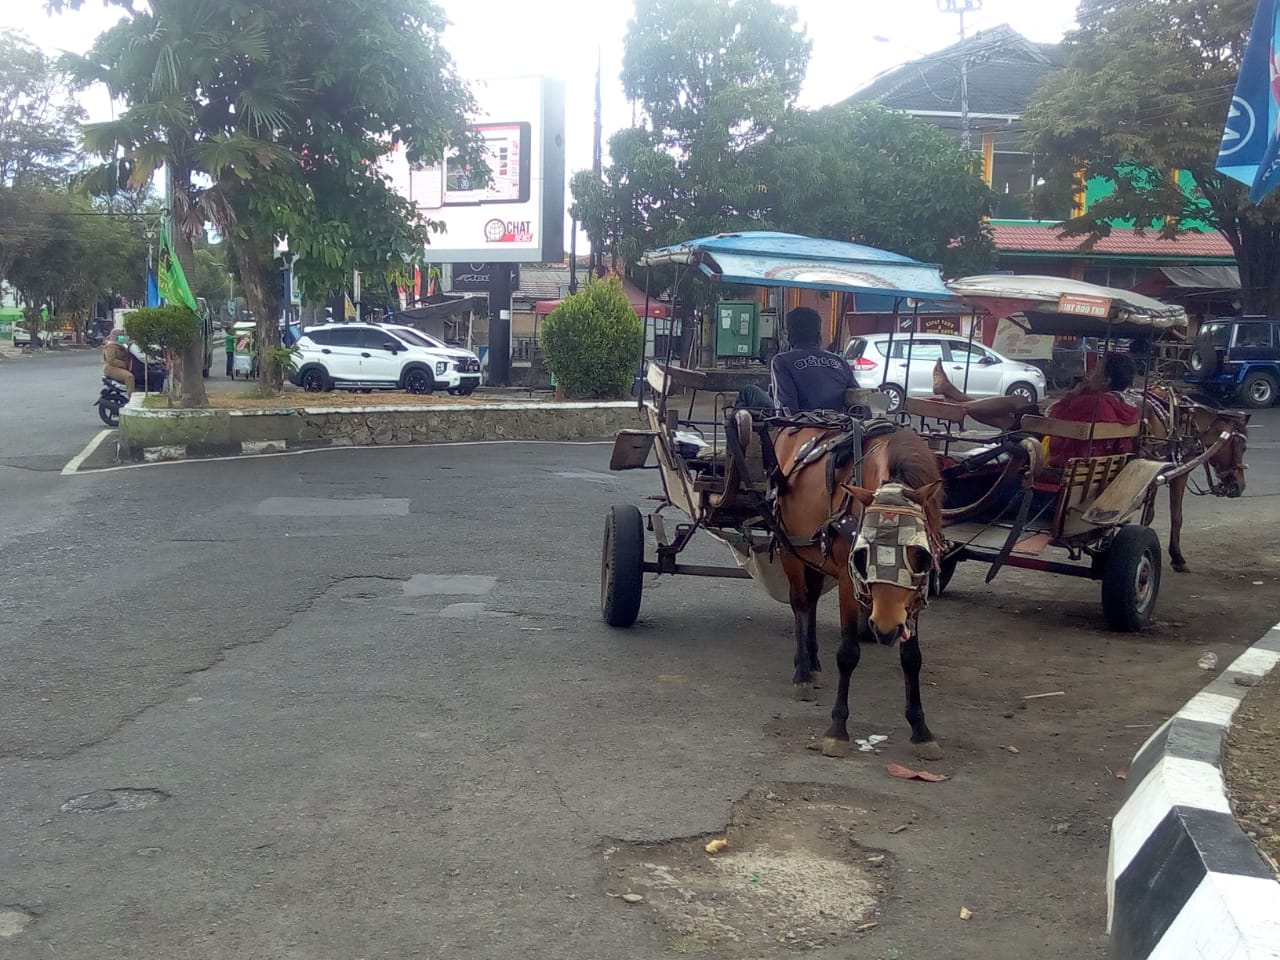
(597, 166)
(962, 7)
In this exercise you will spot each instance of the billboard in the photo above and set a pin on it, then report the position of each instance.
(515, 212)
(474, 277)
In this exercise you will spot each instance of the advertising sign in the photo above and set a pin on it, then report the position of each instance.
(476, 277)
(514, 212)
(1016, 344)
(1083, 305)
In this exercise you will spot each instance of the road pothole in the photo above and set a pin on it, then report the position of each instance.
(793, 876)
(115, 800)
(13, 920)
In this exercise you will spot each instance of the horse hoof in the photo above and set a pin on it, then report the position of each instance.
(929, 750)
(1180, 567)
(831, 747)
(802, 691)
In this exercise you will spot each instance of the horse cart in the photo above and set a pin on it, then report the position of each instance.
(717, 472)
(1008, 504)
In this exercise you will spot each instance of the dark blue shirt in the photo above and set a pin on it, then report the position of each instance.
(810, 378)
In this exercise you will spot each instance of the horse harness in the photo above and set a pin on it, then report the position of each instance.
(889, 528)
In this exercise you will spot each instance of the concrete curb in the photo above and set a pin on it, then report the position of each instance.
(1183, 880)
(159, 434)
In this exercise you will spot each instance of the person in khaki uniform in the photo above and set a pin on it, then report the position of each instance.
(117, 362)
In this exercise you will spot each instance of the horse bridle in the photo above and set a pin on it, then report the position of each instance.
(1237, 441)
(892, 527)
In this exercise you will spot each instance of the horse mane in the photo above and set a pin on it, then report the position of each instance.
(910, 460)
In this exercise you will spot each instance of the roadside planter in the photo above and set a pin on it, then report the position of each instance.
(176, 434)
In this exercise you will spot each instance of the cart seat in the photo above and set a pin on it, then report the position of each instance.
(1125, 493)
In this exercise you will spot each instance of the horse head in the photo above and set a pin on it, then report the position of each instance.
(896, 550)
(1227, 464)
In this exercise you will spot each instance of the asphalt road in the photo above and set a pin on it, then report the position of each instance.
(360, 704)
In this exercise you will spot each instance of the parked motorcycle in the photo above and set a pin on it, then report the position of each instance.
(110, 400)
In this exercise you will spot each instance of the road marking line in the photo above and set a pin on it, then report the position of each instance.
(295, 453)
(74, 463)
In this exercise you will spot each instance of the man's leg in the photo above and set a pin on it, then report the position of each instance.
(231, 362)
(123, 374)
(752, 397)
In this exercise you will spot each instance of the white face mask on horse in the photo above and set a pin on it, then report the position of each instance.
(893, 544)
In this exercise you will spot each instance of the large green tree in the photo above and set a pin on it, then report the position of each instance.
(79, 253)
(709, 78)
(38, 145)
(720, 144)
(1145, 94)
(879, 177)
(271, 122)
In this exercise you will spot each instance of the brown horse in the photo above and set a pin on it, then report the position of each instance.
(1173, 429)
(879, 597)
(1176, 429)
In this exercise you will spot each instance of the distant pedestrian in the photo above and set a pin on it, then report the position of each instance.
(229, 342)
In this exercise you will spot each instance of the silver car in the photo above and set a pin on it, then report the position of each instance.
(975, 369)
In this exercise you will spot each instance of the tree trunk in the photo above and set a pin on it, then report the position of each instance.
(1257, 253)
(189, 369)
(264, 299)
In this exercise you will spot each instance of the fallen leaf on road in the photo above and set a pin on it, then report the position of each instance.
(1011, 748)
(715, 846)
(866, 926)
(966, 913)
(1122, 774)
(878, 858)
(632, 898)
(906, 773)
(898, 829)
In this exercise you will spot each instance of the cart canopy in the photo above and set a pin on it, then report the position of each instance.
(1057, 305)
(768, 259)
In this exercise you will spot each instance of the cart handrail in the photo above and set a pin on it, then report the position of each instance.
(662, 378)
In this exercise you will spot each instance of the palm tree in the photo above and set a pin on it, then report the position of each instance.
(195, 75)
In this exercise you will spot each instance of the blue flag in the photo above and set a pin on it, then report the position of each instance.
(1250, 149)
(153, 289)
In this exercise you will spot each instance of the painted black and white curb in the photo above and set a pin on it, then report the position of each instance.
(1183, 880)
(244, 448)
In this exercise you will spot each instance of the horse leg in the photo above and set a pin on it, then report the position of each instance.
(835, 742)
(925, 746)
(804, 610)
(813, 582)
(1177, 493)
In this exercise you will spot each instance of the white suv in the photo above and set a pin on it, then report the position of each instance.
(976, 370)
(469, 362)
(363, 356)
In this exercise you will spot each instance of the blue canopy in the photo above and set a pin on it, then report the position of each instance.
(767, 259)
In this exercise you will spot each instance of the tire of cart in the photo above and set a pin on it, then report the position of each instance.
(1131, 578)
(622, 566)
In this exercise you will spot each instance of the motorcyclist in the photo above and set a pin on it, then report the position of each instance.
(117, 362)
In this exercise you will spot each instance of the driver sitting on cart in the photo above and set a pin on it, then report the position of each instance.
(806, 377)
(1097, 400)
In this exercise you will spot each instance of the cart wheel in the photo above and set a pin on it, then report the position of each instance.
(622, 566)
(1131, 578)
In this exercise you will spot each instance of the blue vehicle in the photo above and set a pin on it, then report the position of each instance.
(1238, 358)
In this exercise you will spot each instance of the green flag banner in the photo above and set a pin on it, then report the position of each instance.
(170, 279)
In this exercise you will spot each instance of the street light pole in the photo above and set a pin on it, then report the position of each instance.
(962, 7)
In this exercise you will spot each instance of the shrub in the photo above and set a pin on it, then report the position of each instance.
(170, 328)
(593, 341)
